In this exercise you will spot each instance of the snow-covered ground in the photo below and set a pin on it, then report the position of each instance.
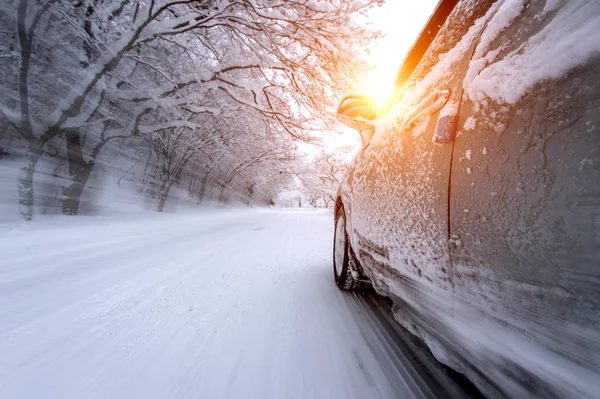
(226, 304)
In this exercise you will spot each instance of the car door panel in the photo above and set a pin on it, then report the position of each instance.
(398, 187)
(399, 209)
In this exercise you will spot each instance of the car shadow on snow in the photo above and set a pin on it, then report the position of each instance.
(394, 346)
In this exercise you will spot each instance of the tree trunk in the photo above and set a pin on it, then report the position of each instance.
(221, 200)
(163, 195)
(250, 191)
(71, 195)
(161, 203)
(79, 173)
(202, 190)
(25, 187)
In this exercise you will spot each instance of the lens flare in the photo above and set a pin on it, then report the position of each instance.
(387, 53)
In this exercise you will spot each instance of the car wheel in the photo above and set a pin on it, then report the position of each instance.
(345, 270)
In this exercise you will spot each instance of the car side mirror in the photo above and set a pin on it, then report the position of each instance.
(358, 111)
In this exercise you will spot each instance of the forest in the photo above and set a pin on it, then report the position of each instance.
(110, 104)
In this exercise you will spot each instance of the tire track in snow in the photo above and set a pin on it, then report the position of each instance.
(236, 305)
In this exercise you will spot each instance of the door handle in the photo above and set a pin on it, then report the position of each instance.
(427, 107)
(445, 130)
(447, 122)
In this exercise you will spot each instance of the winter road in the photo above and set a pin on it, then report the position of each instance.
(231, 304)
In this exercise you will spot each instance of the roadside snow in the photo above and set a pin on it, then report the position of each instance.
(226, 304)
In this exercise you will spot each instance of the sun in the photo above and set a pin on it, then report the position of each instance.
(380, 82)
(400, 23)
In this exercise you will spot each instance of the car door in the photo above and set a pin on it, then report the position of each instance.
(398, 216)
(525, 200)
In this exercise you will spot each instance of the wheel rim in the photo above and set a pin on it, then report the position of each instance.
(340, 236)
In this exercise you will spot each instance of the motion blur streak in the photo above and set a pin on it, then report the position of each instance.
(235, 304)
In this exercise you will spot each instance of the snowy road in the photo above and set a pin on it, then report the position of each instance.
(233, 304)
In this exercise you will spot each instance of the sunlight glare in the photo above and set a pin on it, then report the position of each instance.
(400, 21)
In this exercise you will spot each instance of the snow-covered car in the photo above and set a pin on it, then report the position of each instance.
(474, 203)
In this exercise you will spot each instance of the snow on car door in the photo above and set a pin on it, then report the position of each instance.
(399, 186)
(525, 199)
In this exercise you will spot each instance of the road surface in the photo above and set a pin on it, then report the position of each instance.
(226, 304)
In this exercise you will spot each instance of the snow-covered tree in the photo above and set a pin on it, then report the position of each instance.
(320, 181)
(89, 72)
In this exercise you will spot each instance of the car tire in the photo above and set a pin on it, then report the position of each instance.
(346, 271)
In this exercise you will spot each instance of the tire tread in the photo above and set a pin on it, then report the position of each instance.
(346, 280)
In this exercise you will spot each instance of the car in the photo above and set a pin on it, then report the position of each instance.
(474, 203)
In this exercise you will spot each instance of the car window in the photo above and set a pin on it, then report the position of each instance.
(457, 25)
